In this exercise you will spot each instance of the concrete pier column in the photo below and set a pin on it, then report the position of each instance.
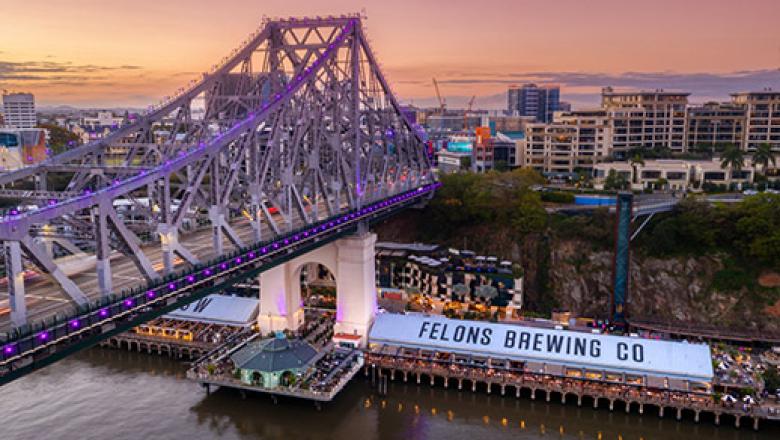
(579, 399)
(446, 382)
(679, 413)
(717, 419)
(503, 389)
(418, 378)
(563, 399)
(696, 416)
(432, 381)
(460, 384)
(595, 402)
(280, 303)
(641, 408)
(736, 423)
(533, 394)
(548, 395)
(473, 386)
(628, 407)
(392, 374)
(661, 411)
(611, 404)
(489, 386)
(404, 376)
(517, 392)
(755, 423)
(356, 279)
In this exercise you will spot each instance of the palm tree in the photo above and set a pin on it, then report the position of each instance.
(636, 160)
(732, 157)
(764, 156)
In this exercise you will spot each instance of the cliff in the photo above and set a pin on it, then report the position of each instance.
(572, 270)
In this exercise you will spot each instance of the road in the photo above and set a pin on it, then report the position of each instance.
(44, 298)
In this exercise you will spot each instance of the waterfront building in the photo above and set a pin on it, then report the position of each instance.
(533, 100)
(645, 120)
(548, 353)
(273, 362)
(762, 112)
(713, 126)
(19, 110)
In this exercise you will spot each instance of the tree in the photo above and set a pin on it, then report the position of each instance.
(636, 160)
(763, 156)
(615, 181)
(60, 139)
(732, 157)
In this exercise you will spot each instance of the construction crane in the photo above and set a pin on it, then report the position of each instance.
(442, 102)
(466, 113)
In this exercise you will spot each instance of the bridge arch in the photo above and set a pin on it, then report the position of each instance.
(350, 260)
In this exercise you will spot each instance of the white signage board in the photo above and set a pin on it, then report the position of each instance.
(574, 349)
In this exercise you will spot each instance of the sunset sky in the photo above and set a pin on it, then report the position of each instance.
(98, 53)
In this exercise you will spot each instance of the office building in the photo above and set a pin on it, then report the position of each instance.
(19, 110)
(533, 100)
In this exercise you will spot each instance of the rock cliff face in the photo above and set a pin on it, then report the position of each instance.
(676, 288)
(577, 276)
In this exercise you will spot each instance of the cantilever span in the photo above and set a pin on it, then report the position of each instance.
(294, 128)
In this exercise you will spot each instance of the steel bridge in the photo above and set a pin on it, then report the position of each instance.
(292, 141)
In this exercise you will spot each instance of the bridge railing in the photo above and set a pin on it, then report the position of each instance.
(134, 306)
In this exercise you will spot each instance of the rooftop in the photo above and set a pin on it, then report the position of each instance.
(274, 354)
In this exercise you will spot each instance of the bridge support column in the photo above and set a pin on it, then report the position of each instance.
(102, 249)
(280, 305)
(169, 240)
(15, 275)
(356, 284)
(217, 218)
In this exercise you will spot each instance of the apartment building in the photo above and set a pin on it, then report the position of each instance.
(715, 125)
(674, 174)
(645, 119)
(762, 118)
(574, 141)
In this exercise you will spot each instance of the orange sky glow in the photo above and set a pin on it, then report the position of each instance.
(97, 53)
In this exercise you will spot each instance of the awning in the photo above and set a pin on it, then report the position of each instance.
(219, 309)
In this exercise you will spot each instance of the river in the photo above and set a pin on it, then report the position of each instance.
(110, 394)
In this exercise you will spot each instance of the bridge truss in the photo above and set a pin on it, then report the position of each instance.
(296, 126)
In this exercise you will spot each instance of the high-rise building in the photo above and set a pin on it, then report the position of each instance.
(762, 110)
(714, 125)
(645, 120)
(19, 110)
(532, 100)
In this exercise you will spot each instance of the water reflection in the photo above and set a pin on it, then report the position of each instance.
(121, 395)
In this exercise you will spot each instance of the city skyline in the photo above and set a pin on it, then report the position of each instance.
(85, 53)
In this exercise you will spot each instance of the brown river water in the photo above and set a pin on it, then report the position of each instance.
(110, 394)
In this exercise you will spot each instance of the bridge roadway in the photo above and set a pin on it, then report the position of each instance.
(45, 298)
(25, 352)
